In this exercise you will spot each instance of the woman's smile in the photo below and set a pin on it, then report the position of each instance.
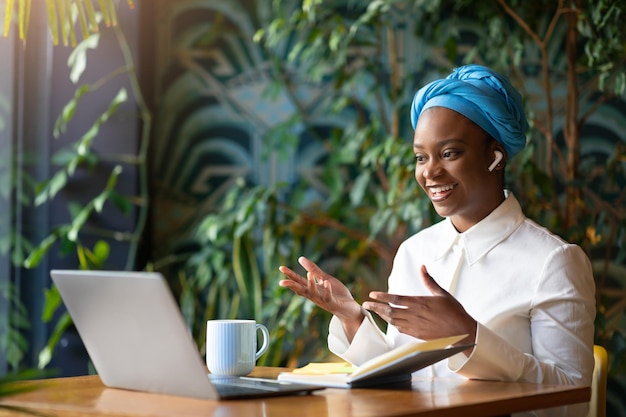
(440, 192)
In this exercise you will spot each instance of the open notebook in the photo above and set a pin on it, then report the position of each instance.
(394, 366)
(137, 339)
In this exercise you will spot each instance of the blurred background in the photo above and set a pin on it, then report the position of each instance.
(214, 141)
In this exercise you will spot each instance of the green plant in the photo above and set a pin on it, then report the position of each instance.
(80, 154)
(13, 314)
(13, 344)
(63, 16)
(10, 385)
(351, 215)
(229, 281)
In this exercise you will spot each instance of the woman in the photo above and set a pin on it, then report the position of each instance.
(523, 296)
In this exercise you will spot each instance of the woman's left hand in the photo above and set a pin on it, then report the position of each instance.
(425, 317)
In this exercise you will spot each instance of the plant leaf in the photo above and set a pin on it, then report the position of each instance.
(64, 22)
(104, 9)
(82, 19)
(52, 302)
(46, 353)
(8, 16)
(91, 14)
(34, 258)
(53, 24)
(79, 221)
(77, 61)
(50, 188)
(68, 111)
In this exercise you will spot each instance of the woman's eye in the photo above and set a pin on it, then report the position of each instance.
(449, 154)
(420, 158)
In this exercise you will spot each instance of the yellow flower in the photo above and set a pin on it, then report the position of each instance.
(592, 236)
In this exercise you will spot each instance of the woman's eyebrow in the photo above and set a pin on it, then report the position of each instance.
(445, 142)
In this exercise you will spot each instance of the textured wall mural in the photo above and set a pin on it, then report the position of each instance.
(213, 117)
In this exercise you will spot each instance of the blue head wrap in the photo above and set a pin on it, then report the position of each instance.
(483, 96)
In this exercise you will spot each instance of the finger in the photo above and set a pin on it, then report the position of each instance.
(396, 316)
(328, 291)
(301, 286)
(295, 287)
(383, 310)
(312, 267)
(430, 283)
(311, 282)
(292, 275)
(314, 279)
(317, 286)
(386, 297)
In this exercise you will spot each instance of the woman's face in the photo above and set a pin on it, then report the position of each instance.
(452, 159)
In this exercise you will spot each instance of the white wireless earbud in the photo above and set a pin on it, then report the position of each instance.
(496, 161)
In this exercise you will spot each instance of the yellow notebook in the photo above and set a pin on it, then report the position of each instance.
(397, 365)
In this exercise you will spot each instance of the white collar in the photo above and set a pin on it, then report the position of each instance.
(484, 235)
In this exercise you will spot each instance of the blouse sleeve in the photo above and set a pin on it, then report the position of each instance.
(562, 327)
(368, 342)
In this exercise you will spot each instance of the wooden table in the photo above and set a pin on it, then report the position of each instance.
(86, 396)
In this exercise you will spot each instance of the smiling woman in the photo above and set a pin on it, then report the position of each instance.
(523, 296)
(452, 159)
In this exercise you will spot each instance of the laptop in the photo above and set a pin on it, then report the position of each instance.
(136, 337)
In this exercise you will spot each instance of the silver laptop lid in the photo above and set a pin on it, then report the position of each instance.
(134, 332)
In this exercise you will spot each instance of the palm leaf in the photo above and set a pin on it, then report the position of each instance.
(10, 384)
(60, 17)
(8, 14)
(82, 19)
(52, 23)
(24, 17)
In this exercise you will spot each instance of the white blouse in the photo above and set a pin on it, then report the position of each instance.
(532, 293)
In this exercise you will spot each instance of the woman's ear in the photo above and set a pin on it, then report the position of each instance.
(498, 156)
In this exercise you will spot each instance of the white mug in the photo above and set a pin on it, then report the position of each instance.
(231, 346)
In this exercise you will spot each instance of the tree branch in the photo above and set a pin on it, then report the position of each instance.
(378, 247)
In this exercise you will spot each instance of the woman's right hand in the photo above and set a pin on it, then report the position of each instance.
(324, 290)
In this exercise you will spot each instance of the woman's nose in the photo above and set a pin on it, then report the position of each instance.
(431, 168)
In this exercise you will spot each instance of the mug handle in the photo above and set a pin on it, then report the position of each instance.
(266, 340)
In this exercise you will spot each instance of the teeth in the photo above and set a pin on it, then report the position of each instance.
(441, 188)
